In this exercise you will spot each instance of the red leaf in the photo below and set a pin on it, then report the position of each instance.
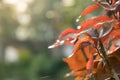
(69, 40)
(115, 33)
(116, 36)
(117, 25)
(90, 9)
(91, 22)
(66, 32)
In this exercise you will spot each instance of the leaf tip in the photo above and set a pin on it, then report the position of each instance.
(52, 46)
(78, 19)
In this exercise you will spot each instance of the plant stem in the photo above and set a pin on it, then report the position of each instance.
(84, 54)
(102, 49)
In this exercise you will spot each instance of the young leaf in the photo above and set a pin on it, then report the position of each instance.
(91, 22)
(115, 33)
(66, 32)
(90, 9)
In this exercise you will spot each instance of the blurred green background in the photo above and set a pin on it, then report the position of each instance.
(27, 28)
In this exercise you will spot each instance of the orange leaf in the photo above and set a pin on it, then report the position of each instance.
(77, 61)
(82, 43)
(78, 78)
(114, 33)
(89, 65)
(90, 9)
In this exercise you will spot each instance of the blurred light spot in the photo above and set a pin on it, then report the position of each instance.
(11, 54)
(21, 7)
(10, 1)
(24, 18)
(50, 14)
(68, 3)
(21, 33)
(24, 33)
(17, 1)
(28, 1)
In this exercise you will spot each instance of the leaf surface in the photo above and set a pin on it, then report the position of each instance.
(93, 21)
(90, 9)
(66, 32)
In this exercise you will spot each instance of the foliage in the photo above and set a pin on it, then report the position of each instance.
(96, 43)
(33, 55)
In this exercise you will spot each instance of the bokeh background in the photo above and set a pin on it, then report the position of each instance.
(27, 28)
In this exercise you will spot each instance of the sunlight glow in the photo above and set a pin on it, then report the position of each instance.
(68, 3)
(11, 1)
(11, 54)
(24, 18)
(19, 5)
(22, 33)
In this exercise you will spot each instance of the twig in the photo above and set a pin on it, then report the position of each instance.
(103, 52)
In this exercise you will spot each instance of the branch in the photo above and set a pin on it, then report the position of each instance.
(105, 58)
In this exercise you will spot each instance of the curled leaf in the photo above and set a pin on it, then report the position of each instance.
(83, 42)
